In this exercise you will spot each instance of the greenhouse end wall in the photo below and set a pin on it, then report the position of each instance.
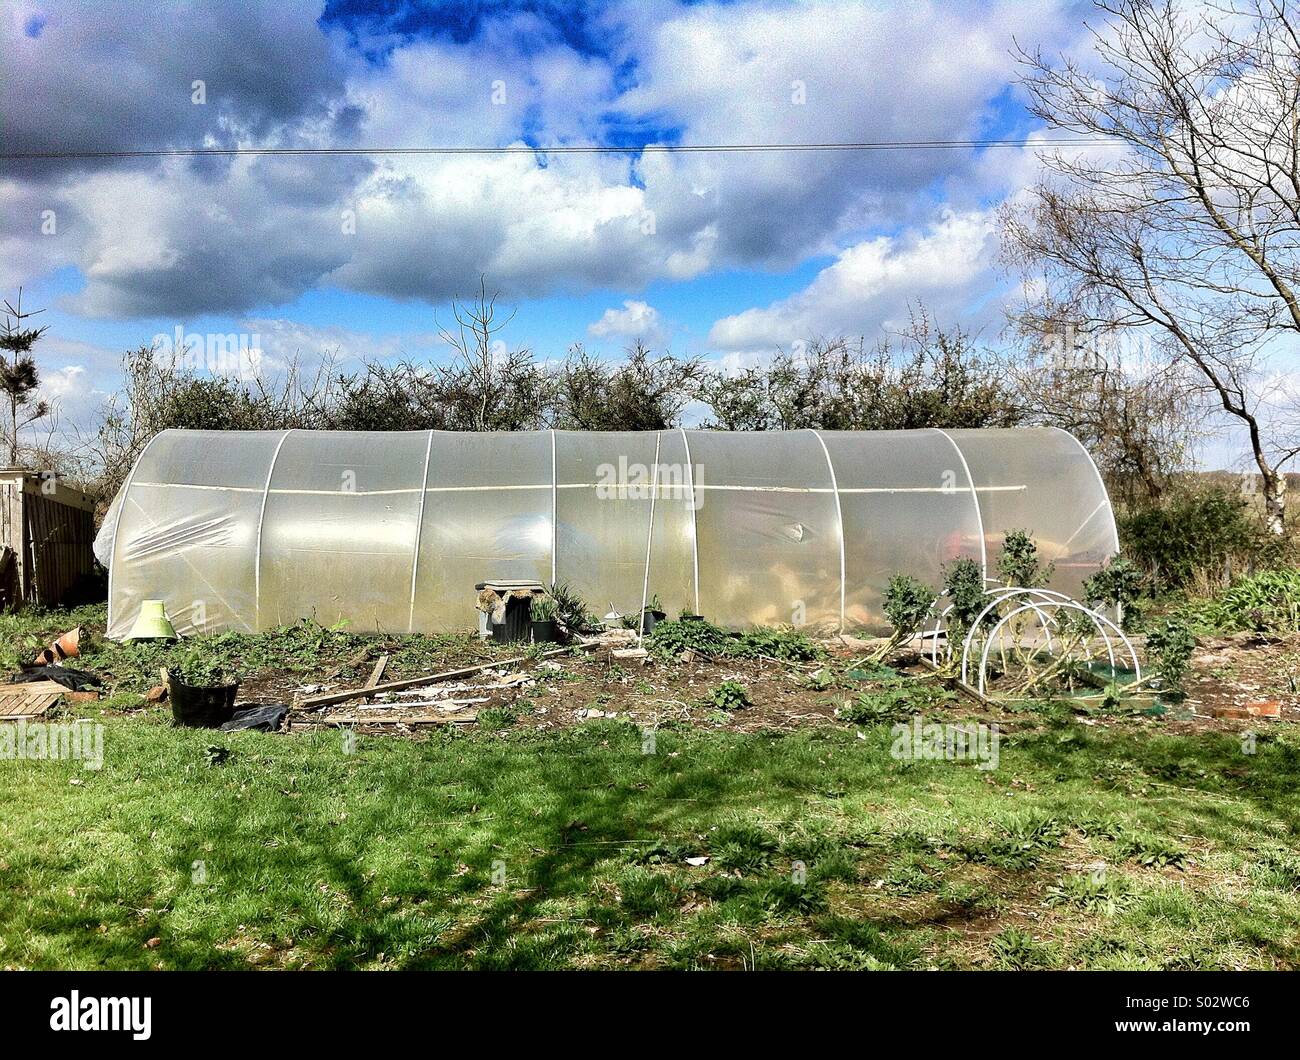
(390, 531)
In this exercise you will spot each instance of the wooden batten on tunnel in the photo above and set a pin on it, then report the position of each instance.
(47, 530)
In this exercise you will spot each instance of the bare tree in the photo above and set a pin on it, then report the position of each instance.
(1181, 223)
(489, 387)
(1136, 418)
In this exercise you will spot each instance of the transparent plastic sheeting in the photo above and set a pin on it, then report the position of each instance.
(390, 531)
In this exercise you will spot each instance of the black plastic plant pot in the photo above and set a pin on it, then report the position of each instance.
(691, 618)
(517, 625)
(545, 632)
(651, 618)
(201, 706)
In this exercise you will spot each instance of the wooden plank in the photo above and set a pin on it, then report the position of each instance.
(376, 675)
(326, 698)
(450, 719)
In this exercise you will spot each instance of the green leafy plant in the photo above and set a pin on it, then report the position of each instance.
(571, 610)
(908, 603)
(744, 848)
(494, 719)
(1268, 602)
(1152, 851)
(820, 680)
(1015, 948)
(673, 637)
(543, 609)
(196, 665)
(785, 897)
(963, 584)
(788, 645)
(1099, 891)
(730, 696)
(1169, 654)
(1019, 563)
(1119, 584)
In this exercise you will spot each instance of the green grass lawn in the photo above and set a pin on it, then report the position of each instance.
(1087, 847)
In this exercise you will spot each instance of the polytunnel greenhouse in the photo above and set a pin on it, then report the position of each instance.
(391, 531)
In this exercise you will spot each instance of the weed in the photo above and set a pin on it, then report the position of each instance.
(1152, 851)
(745, 848)
(1016, 949)
(1095, 892)
(785, 897)
(1268, 602)
(730, 696)
(820, 680)
(1277, 869)
(493, 719)
(910, 878)
(644, 894)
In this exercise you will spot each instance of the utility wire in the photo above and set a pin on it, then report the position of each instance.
(565, 149)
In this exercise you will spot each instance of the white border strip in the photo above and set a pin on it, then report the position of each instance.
(261, 515)
(839, 518)
(419, 527)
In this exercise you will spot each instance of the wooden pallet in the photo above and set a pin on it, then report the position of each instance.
(28, 700)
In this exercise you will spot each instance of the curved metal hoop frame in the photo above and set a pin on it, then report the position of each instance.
(1104, 626)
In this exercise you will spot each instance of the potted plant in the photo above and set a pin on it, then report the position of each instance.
(542, 612)
(201, 693)
(653, 614)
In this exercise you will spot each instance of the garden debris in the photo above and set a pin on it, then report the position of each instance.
(157, 694)
(352, 663)
(377, 674)
(29, 699)
(1264, 708)
(67, 646)
(1259, 708)
(408, 720)
(266, 718)
(327, 698)
(77, 680)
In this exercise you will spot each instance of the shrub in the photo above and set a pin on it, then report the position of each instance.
(1195, 538)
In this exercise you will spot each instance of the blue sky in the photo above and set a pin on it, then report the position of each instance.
(722, 256)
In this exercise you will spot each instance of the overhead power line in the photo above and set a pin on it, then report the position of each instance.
(564, 149)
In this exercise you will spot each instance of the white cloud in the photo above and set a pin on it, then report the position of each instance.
(871, 284)
(636, 320)
(247, 235)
